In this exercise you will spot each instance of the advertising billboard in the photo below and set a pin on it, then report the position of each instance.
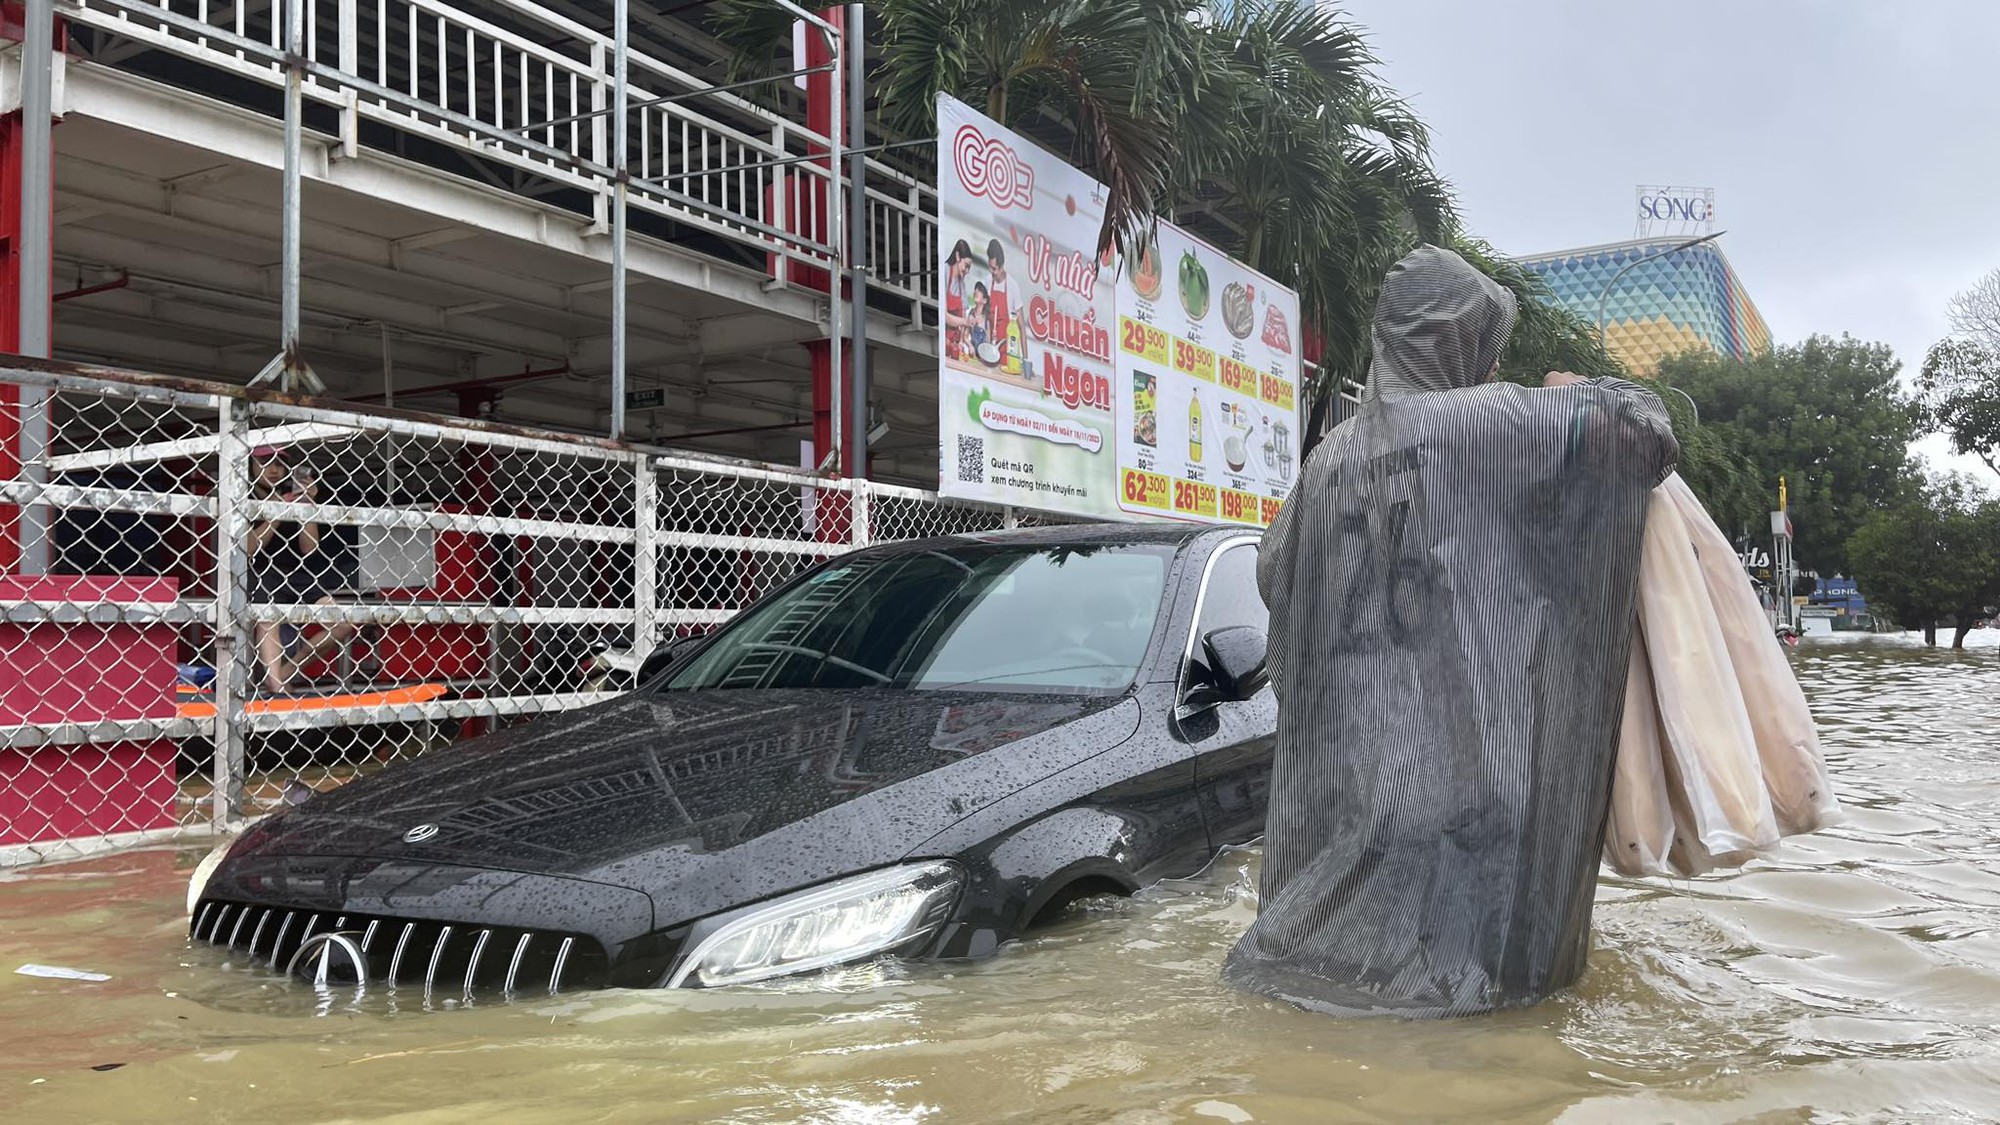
(1165, 387)
(1208, 370)
(1024, 331)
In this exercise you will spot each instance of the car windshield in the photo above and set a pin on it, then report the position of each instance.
(1001, 618)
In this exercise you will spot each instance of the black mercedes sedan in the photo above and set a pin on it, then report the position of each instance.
(915, 750)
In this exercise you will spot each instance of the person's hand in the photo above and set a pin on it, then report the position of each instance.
(1562, 379)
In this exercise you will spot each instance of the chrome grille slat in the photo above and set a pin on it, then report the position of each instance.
(514, 966)
(562, 957)
(262, 919)
(565, 960)
(280, 942)
(437, 955)
(472, 966)
(396, 961)
(221, 916)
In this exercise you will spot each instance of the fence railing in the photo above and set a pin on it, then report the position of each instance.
(522, 86)
(217, 597)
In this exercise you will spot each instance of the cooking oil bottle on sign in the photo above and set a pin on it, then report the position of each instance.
(1194, 428)
(1010, 346)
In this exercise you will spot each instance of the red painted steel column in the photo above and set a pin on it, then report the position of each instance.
(10, 324)
(11, 19)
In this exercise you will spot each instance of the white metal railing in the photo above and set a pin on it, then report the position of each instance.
(520, 85)
(522, 553)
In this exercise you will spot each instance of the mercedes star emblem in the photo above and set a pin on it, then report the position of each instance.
(329, 958)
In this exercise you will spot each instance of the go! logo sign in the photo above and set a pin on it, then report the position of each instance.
(989, 168)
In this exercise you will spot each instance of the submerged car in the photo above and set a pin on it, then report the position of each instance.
(918, 750)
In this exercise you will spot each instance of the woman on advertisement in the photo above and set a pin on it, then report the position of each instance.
(958, 321)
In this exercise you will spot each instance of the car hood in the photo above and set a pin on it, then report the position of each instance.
(705, 800)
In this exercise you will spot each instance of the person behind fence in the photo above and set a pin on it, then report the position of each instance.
(1452, 596)
(288, 566)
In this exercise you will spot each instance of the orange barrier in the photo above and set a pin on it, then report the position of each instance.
(413, 693)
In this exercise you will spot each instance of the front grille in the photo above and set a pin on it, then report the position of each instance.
(400, 952)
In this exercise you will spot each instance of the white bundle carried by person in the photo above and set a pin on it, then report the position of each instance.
(1717, 755)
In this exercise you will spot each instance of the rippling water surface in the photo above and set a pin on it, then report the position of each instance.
(1853, 977)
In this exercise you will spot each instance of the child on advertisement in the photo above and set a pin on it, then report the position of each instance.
(998, 296)
(979, 313)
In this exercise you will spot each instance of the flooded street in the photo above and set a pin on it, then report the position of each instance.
(1854, 977)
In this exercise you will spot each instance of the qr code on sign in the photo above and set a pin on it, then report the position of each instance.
(971, 459)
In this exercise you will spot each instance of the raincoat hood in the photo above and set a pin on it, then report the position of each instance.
(1439, 324)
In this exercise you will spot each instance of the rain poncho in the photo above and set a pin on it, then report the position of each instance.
(1452, 593)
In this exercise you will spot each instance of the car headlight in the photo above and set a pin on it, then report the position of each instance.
(830, 925)
(204, 870)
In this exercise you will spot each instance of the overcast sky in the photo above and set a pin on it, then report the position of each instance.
(1853, 145)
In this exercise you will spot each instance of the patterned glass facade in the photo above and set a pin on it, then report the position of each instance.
(1680, 302)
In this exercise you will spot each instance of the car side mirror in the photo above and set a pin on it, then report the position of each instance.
(1235, 662)
(664, 657)
(1237, 657)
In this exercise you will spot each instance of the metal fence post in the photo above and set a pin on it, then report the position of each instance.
(232, 576)
(350, 40)
(294, 124)
(781, 272)
(600, 203)
(350, 63)
(645, 555)
(36, 248)
(620, 178)
(914, 262)
(288, 369)
(859, 534)
(858, 248)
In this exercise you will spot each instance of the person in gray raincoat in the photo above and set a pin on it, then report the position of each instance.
(1452, 595)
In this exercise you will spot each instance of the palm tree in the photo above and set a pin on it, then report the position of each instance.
(1093, 79)
(1300, 162)
(1261, 127)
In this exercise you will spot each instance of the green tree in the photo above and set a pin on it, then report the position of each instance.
(1828, 416)
(1547, 336)
(1264, 128)
(1930, 555)
(1960, 390)
(1721, 475)
(1101, 75)
(1295, 159)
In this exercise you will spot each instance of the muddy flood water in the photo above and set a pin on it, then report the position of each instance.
(1854, 977)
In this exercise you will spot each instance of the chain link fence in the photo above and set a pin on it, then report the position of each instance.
(217, 599)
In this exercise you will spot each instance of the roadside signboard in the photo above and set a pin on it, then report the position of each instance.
(1208, 373)
(1024, 336)
(1165, 389)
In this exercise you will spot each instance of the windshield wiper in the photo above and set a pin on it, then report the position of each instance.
(818, 655)
(957, 562)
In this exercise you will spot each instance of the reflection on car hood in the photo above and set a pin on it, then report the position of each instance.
(710, 798)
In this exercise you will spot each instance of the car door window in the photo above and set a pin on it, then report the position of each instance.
(1231, 596)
